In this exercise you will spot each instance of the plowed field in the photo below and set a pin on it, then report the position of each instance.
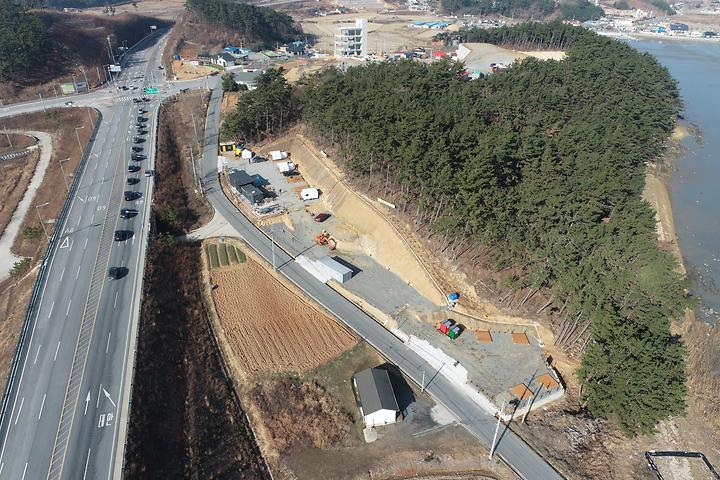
(268, 327)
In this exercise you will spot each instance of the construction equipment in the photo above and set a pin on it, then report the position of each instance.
(324, 238)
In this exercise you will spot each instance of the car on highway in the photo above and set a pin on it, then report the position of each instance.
(68, 104)
(149, 173)
(129, 196)
(136, 100)
(122, 235)
(141, 119)
(160, 67)
(142, 132)
(142, 111)
(128, 213)
(116, 273)
(321, 217)
(137, 149)
(145, 99)
(136, 157)
(138, 140)
(132, 180)
(133, 168)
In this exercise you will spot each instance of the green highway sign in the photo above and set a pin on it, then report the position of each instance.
(151, 90)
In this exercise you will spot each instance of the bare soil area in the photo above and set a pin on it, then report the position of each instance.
(16, 142)
(185, 420)
(15, 175)
(14, 297)
(179, 204)
(164, 9)
(269, 328)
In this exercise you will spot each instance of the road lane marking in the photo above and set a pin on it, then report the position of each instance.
(62, 273)
(42, 405)
(57, 349)
(97, 404)
(68, 309)
(52, 306)
(116, 297)
(107, 347)
(87, 462)
(79, 219)
(86, 241)
(22, 402)
(36, 354)
(80, 198)
(78, 272)
(107, 395)
(24, 470)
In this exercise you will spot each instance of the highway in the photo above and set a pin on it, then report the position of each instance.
(70, 387)
(527, 463)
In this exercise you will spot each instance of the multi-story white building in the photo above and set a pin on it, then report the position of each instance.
(352, 41)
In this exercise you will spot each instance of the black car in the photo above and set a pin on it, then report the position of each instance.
(138, 140)
(133, 180)
(116, 273)
(141, 119)
(137, 157)
(128, 213)
(142, 132)
(142, 111)
(141, 125)
(133, 168)
(136, 100)
(145, 99)
(137, 149)
(129, 196)
(122, 235)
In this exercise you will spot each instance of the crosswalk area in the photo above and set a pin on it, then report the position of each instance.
(128, 98)
(10, 156)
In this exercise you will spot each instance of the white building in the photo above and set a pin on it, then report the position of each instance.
(376, 397)
(352, 41)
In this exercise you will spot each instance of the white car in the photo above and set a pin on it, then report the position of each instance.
(149, 173)
(69, 104)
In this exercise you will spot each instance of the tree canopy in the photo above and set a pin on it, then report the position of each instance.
(543, 164)
(526, 9)
(262, 26)
(24, 42)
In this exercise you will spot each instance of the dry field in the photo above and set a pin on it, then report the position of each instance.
(15, 176)
(165, 9)
(268, 327)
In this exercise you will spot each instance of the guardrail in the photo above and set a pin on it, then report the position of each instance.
(42, 274)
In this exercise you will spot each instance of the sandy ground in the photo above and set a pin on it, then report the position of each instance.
(186, 71)
(268, 327)
(7, 259)
(165, 9)
(387, 32)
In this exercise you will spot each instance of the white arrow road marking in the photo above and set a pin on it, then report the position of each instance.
(106, 394)
(80, 198)
(87, 402)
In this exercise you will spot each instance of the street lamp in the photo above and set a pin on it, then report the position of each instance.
(78, 138)
(42, 224)
(63, 173)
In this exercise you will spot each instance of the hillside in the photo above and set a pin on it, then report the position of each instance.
(536, 172)
(580, 10)
(70, 43)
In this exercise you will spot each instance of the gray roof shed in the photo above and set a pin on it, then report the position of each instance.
(238, 178)
(375, 391)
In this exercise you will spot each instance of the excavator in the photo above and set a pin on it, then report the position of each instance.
(324, 238)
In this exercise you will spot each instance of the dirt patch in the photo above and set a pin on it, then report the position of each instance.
(60, 123)
(229, 104)
(185, 421)
(164, 9)
(179, 204)
(14, 297)
(16, 142)
(268, 327)
(15, 175)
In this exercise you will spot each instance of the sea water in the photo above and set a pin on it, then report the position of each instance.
(695, 185)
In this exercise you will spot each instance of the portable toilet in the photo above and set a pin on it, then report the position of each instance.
(238, 149)
(227, 147)
(454, 332)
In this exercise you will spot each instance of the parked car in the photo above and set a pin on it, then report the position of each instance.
(116, 273)
(141, 125)
(321, 217)
(137, 149)
(142, 132)
(130, 196)
(128, 213)
(133, 168)
(149, 173)
(68, 104)
(122, 235)
(137, 157)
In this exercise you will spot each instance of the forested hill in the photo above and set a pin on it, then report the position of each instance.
(543, 165)
(261, 26)
(580, 10)
(23, 40)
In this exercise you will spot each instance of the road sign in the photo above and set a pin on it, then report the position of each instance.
(151, 90)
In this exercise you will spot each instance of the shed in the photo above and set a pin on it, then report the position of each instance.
(336, 270)
(247, 154)
(238, 178)
(252, 193)
(679, 27)
(309, 193)
(376, 397)
(286, 167)
(278, 155)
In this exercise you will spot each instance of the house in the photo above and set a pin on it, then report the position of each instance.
(245, 185)
(376, 397)
(296, 48)
(352, 41)
(225, 60)
(252, 193)
(238, 53)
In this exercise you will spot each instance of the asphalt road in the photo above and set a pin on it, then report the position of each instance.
(516, 453)
(65, 400)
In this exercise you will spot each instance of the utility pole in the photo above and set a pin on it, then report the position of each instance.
(422, 384)
(532, 400)
(78, 139)
(192, 161)
(110, 52)
(42, 224)
(497, 429)
(41, 102)
(192, 114)
(97, 69)
(87, 84)
(8, 136)
(67, 187)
